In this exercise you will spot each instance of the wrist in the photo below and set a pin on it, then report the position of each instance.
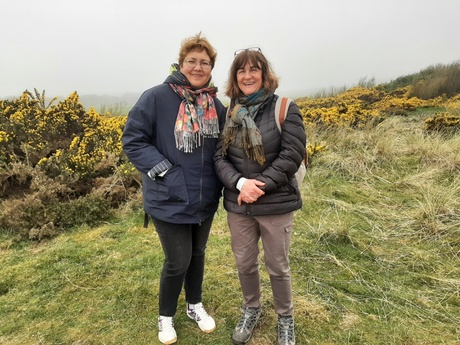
(240, 183)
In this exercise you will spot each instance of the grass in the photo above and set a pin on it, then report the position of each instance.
(375, 258)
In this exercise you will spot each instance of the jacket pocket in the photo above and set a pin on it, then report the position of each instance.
(170, 188)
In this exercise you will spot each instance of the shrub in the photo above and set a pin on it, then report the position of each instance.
(443, 122)
(444, 81)
(349, 109)
(90, 209)
(432, 82)
(53, 158)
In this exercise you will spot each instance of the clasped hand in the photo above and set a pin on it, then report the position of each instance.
(250, 191)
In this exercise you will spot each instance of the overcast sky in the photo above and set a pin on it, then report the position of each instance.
(113, 47)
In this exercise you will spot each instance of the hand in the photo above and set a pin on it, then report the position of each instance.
(250, 191)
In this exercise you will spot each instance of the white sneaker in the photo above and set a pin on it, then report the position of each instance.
(166, 332)
(205, 322)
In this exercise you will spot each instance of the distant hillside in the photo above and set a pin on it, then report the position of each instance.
(431, 82)
(98, 102)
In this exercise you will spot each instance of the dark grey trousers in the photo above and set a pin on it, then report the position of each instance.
(184, 247)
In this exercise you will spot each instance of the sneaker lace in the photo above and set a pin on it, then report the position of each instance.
(286, 330)
(199, 312)
(166, 325)
(247, 320)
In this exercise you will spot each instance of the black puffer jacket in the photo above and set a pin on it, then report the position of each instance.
(190, 190)
(283, 154)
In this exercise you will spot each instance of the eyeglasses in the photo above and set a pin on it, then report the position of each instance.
(192, 63)
(252, 49)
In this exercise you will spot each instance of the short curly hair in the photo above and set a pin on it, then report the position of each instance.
(197, 43)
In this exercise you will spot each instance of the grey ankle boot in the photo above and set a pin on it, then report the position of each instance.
(244, 328)
(286, 334)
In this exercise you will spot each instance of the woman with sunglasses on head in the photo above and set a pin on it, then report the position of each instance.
(256, 163)
(171, 136)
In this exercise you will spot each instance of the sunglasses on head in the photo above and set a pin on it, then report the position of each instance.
(252, 49)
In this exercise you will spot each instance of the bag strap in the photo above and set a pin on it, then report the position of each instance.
(281, 108)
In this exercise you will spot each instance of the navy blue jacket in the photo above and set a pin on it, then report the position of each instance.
(190, 190)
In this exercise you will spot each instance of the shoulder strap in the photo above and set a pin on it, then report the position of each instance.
(281, 108)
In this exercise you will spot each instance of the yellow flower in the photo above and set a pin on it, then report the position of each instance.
(3, 137)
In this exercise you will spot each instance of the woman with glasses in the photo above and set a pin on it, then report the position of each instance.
(170, 136)
(256, 163)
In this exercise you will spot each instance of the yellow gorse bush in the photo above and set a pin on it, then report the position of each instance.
(58, 138)
(443, 122)
(360, 106)
(63, 165)
(453, 104)
(99, 139)
(348, 109)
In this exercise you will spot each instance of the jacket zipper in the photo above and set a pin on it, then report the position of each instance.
(248, 212)
(201, 179)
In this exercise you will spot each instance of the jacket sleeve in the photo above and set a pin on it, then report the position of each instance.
(139, 137)
(292, 153)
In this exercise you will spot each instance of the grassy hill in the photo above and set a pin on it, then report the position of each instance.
(375, 257)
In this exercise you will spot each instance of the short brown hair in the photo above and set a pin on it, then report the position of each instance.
(256, 58)
(197, 43)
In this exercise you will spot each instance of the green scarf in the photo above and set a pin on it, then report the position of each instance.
(241, 117)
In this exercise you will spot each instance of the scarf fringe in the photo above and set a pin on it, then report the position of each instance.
(229, 138)
(258, 154)
(187, 141)
(251, 142)
(209, 128)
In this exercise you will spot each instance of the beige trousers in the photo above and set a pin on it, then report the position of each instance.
(275, 233)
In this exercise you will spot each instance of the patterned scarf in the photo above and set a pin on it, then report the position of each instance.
(197, 115)
(242, 117)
